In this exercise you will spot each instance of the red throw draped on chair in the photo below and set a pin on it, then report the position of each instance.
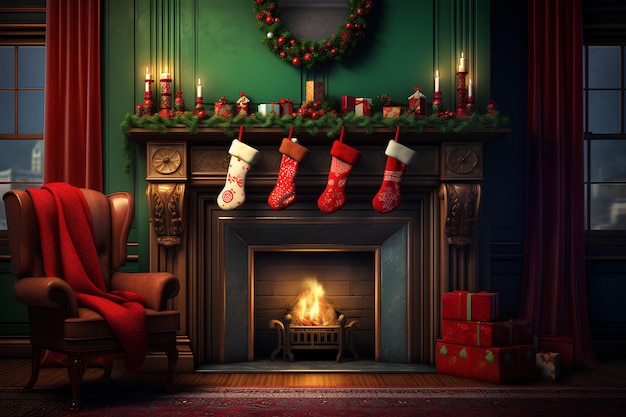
(72, 127)
(554, 292)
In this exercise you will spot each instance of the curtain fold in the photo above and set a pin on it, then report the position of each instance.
(72, 122)
(554, 291)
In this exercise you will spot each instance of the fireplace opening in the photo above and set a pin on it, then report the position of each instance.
(344, 283)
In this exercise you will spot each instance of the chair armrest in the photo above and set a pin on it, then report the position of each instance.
(156, 287)
(47, 292)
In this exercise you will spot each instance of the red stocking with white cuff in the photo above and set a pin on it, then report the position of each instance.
(343, 159)
(284, 193)
(398, 157)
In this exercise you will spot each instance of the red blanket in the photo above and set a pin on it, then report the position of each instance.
(69, 252)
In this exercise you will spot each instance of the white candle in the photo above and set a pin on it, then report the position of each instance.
(199, 89)
(470, 90)
(437, 81)
(148, 74)
(147, 79)
(462, 63)
(166, 75)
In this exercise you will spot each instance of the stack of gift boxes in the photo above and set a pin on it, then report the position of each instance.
(477, 344)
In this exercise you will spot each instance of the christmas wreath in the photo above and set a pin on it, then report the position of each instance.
(304, 52)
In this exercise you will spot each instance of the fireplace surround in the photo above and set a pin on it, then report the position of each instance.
(425, 247)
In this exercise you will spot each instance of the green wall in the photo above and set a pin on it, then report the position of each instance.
(221, 44)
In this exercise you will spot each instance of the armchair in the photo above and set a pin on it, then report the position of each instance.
(57, 322)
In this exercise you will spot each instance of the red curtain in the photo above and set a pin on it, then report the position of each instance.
(72, 124)
(554, 291)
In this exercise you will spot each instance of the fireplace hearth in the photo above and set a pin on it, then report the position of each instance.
(425, 247)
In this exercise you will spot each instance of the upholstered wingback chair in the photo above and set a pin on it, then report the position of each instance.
(57, 323)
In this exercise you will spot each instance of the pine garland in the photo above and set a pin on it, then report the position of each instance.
(332, 122)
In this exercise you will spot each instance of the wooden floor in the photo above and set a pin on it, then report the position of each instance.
(15, 373)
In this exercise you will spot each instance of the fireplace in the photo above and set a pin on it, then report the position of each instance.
(389, 269)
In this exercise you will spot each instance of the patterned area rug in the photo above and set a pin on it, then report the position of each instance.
(320, 402)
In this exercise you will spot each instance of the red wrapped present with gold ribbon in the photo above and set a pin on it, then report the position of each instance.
(223, 107)
(487, 333)
(465, 305)
(363, 106)
(503, 364)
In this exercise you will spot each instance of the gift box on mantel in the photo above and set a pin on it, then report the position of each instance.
(502, 364)
(347, 104)
(391, 111)
(363, 106)
(269, 108)
(465, 305)
(487, 333)
(314, 91)
(223, 107)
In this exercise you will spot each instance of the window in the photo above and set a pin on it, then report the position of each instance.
(21, 118)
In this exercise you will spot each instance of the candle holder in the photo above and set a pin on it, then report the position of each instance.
(179, 103)
(461, 94)
(437, 102)
(166, 96)
(469, 107)
(200, 108)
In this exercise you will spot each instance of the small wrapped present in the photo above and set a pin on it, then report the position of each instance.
(503, 364)
(562, 345)
(465, 305)
(223, 107)
(286, 107)
(242, 104)
(363, 106)
(548, 366)
(269, 108)
(487, 333)
(452, 359)
(347, 104)
(314, 91)
(417, 102)
(391, 111)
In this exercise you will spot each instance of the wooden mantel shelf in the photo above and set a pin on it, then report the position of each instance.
(270, 135)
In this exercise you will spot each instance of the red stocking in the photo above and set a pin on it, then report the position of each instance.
(344, 158)
(398, 157)
(284, 193)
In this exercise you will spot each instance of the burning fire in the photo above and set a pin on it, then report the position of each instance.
(311, 309)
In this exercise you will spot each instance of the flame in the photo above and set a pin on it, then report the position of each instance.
(310, 307)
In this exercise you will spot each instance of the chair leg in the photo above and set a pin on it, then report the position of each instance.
(76, 370)
(108, 370)
(172, 359)
(35, 366)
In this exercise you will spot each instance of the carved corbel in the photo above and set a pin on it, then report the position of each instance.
(460, 208)
(166, 206)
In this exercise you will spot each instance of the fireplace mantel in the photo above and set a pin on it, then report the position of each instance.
(185, 171)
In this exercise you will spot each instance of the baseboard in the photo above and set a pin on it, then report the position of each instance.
(609, 347)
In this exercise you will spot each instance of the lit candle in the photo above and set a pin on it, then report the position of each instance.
(166, 75)
(470, 90)
(462, 63)
(199, 89)
(147, 79)
(437, 81)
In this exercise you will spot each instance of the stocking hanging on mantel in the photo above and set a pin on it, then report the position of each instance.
(284, 193)
(398, 157)
(344, 158)
(242, 158)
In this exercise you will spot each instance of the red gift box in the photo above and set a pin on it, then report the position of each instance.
(548, 365)
(562, 345)
(391, 111)
(465, 305)
(452, 359)
(222, 107)
(503, 364)
(347, 104)
(487, 333)
(286, 107)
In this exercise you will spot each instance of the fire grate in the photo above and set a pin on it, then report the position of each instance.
(292, 337)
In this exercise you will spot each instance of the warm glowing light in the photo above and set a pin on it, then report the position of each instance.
(311, 308)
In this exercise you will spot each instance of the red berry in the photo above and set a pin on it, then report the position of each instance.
(295, 62)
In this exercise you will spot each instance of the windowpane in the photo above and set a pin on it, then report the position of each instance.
(604, 67)
(30, 111)
(7, 111)
(31, 66)
(7, 68)
(604, 112)
(608, 160)
(608, 207)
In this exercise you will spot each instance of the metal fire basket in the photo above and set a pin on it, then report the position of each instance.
(291, 337)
